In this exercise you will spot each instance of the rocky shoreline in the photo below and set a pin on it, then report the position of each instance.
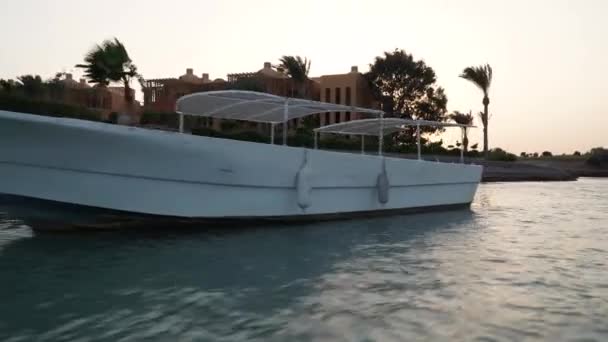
(526, 170)
(539, 170)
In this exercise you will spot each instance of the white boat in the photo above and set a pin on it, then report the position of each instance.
(107, 175)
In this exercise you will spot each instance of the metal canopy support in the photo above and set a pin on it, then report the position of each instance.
(462, 145)
(418, 142)
(285, 116)
(272, 133)
(381, 135)
(181, 123)
(316, 139)
(362, 144)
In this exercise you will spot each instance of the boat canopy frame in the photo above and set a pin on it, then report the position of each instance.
(257, 107)
(261, 107)
(384, 126)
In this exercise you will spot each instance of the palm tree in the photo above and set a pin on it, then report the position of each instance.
(297, 68)
(463, 119)
(481, 76)
(110, 62)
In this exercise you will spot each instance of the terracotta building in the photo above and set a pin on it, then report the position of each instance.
(160, 95)
(276, 82)
(347, 89)
(106, 100)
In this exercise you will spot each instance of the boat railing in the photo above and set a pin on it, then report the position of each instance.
(385, 126)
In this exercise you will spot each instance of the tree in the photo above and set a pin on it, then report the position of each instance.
(7, 86)
(95, 66)
(32, 86)
(409, 85)
(577, 153)
(481, 76)
(298, 69)
(598, 157)
(463, 119)
(56, 87)
(110, 62)
(523, 154)
(547, 154)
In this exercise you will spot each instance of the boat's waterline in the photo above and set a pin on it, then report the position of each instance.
(150, 172)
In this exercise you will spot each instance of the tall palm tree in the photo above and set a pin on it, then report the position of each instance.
(110, 62)
(297, 68)
(463, 119)
(481, 76)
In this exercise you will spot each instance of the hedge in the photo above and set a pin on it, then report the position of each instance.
(46, 108)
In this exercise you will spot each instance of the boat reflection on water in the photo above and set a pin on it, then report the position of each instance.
(163, 282)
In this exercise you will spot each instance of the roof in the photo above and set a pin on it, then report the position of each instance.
(372, 126)
(256, 106)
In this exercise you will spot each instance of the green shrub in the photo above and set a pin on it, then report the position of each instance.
(301, 139)
(161, 119)
(46, 108)
(337, 142)
(207, 132)
(248, 136)
(598, 157)
(499, 154)
(113, 117)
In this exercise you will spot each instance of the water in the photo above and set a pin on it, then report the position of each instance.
(528, 262)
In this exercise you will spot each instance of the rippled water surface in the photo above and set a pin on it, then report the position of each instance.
(528, 262)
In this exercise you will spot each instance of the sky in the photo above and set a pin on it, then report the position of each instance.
(550, 57)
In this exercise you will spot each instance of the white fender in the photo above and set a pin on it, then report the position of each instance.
(303, 183)
(382, 184)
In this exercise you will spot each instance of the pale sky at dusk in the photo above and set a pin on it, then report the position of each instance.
(550, 57)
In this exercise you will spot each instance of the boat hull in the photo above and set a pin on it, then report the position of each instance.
(148, 173)
(47, 215)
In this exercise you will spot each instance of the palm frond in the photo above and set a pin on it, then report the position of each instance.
(481, 76)
(108, 62)
(461, 118)
(296, 67)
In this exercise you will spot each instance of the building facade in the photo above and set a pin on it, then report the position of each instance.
(161, 95)
(349, 89)
(105, 100)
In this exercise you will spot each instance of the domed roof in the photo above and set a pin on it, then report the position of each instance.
(189, 76)
(69, 81)
(268, 71)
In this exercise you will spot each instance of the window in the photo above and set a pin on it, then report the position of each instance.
(347, 99)
(338, 99)
(347, 116)
(337, 117)
(326, 118)
(327, 95)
